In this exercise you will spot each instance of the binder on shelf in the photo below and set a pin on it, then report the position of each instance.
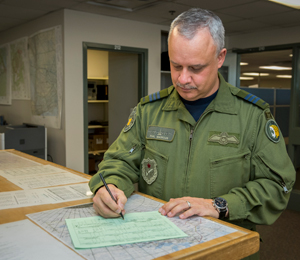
(102, 92)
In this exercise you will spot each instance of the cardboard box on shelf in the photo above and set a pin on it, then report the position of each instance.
(96, 142)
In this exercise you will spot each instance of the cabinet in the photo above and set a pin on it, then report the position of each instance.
(98, 101)
(165, 74)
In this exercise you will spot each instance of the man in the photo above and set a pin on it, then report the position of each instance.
(206, 147)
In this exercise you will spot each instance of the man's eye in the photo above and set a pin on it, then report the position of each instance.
(195, 69)
(177, 67)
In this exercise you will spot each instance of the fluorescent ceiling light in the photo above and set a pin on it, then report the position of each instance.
(255, 74)
(246, 78)
(284, 76)
(243, 63)
(275, 68)
(291, 3)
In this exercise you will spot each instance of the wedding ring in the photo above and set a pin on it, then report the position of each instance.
(189, 204)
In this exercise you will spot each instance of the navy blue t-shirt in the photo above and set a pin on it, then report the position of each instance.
(197, 107)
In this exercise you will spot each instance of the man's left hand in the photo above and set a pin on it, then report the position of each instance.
(189, 206)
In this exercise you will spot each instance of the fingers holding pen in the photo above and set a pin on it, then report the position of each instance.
(105, 206)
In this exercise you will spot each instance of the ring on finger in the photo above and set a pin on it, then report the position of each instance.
(189, 204)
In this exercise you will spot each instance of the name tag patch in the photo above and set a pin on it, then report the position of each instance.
(223, 138)
(160, 133)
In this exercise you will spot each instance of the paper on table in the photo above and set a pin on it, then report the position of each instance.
(137, 227)
(25, 240)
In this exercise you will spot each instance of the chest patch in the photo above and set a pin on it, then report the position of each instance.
(160, 133)
(149, 170)
(223, 139)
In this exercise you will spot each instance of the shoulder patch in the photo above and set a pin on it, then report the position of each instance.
(272, 131)
(252, 99)
(157, 95)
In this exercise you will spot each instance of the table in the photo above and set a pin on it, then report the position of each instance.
(236, 245)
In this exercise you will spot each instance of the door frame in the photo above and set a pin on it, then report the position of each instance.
(142, 81)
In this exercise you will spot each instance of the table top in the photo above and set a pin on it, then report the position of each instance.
(235, 245)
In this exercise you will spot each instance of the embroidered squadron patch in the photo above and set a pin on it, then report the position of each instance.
(224, 138)
(149, 170)
(131, 121)
(272, 131)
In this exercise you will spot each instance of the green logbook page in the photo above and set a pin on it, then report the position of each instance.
(138, 227)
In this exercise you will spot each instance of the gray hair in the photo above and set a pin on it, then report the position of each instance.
(189, 22)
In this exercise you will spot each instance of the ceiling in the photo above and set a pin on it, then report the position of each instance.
(238, 16)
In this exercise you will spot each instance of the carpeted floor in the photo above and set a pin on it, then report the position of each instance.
(281, 241)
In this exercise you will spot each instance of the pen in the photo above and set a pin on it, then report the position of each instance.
(109, 191)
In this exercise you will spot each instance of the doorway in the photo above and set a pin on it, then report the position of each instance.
(126, 83)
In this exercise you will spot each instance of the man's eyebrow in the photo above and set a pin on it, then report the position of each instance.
(195, 65)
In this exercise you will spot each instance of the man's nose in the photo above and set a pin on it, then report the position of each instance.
(184, 77)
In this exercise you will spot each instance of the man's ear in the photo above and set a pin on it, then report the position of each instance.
(221, 57)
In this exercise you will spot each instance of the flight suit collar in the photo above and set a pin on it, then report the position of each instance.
(224, 102)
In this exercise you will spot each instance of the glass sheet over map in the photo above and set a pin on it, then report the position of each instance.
(198, 229)
(136, 227)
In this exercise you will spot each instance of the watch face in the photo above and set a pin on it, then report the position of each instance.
(220, 203)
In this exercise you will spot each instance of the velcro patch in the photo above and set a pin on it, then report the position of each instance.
(160, 133)
(149, 170)
(131, 121)
(223, 138)
(272, 131)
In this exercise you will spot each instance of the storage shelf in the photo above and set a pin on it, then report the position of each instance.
(98, 78)
(97, 152)
(97, 126)
(97, 101)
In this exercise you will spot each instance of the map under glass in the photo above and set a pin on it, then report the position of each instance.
(198, 229)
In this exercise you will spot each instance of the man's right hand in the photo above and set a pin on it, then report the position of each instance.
(105, 206)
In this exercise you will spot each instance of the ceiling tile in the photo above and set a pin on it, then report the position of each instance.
(163, 10)
(143, 18)
(255, 9)
(286, 18)
(244, 26)
(21, 13)
(84, 7)
(212, 4)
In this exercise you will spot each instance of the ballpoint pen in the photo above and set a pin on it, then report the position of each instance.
(104, 182)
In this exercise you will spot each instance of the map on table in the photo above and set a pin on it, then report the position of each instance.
(198, 229)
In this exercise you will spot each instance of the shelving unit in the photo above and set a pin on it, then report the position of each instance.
(97, 108)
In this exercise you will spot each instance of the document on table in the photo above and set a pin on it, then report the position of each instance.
(24, 240)
(137, 227)
(40, 176)
(25, 198)
(9, 161)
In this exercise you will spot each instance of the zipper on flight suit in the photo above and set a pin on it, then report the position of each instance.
(192, 130)
(285, 189)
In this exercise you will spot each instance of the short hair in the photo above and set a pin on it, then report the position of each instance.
(189, 22)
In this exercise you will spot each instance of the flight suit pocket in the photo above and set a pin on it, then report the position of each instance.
(229, 172)
(152, 172)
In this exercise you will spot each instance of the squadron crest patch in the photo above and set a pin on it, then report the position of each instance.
(131, 120)
(272, 131)
(149, 170)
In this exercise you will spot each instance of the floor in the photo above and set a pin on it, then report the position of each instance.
(282, 239)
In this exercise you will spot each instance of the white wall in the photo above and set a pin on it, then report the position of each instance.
(265, 38)
(82, 27)
(20, 111)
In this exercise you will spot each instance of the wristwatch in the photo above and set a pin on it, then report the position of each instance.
(221, 206)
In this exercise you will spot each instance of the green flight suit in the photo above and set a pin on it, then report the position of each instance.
(226, 153)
